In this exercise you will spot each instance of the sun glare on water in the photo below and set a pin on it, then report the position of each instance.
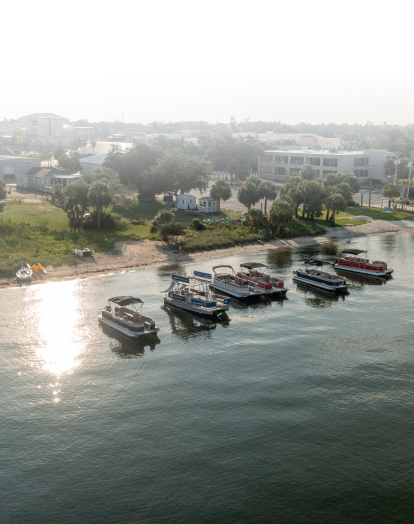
(56, 319)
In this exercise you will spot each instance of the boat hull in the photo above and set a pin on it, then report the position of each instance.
(124, 328)
(24, 275)
(320, 285)
(363, 271)
(204, 312)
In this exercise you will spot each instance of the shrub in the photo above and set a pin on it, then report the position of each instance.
(91, 221)
(352, 203)
(255, 218)
(171, 229)
(197, 225)
(164, 217)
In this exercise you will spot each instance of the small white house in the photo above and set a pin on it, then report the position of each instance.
(186, 202)
(207, 204)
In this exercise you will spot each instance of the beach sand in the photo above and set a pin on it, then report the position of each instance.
(147, 253)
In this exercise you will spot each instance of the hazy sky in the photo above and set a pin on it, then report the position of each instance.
(293, 61)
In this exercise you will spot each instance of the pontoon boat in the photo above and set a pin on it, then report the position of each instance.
(127, 320)
(86, 252)
(258, 273)
(237, 287)
(361, 265)
(193, 294)
(320, 279)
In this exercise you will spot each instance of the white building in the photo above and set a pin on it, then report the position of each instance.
(281, 165)
(10, 166)
(208, 204)
(92, 163)
(186, 202)
(44, 178)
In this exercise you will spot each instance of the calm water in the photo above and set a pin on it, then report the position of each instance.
(297, 411)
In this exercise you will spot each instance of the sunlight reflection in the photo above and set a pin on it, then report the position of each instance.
(58, 323)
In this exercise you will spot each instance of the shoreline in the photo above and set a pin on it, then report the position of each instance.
(149, 254)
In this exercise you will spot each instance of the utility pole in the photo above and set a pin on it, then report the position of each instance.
(396, 162)
(370, 186)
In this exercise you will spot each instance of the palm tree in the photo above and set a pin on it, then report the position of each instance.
(281, 214)
(336, 203)
(93, 145)
(248, 194)
(269, 192)
(220, 191)
(307, 172)
(100, 198)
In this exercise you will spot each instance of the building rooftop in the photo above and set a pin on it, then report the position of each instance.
(323, 152)
(96, 159)
(36, 116)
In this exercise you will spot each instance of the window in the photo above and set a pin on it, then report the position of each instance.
(297, 160)
(191, 201)
(294, 171)
(361, 173)
(314, 161)
(330, 162)
(328, 172)
(317, 173)
(267, 158)
(266, 170)
(361, 161)
(281, 159)
(280, 171)
(209, 204)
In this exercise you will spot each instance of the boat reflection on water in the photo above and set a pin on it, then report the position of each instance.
(318, 297)
(186, 325)
(126, 347)
(358, 281)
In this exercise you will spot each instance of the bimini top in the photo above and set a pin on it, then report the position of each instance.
(252, 265)
(125, 301)
(314, 262)
(354, 251)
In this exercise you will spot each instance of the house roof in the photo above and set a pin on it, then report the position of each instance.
(209, 198)
(40, 172)
(185, 196)
(97, 159)
(36, 116)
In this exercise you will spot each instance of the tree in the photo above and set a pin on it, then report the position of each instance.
(3, 190)
(83, 143)
(281, 214)
(220, 191)
(313, 196)
(391, 191)
(294, 188)
(268, 192)
(77, 201)
(307, 172)
(254, 218)
(353, 182)
(332, 179)
(248, 194)
(233, 167)
(405, 184)
(402, 167)
(100, 198)
(336, 203)
(59, 153)
(58, 198)
(172, 229)
(93, 145)
(176, 173)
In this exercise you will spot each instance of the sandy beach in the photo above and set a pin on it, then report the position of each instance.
(147, 253)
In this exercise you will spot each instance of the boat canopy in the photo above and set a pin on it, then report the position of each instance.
(216, 267)
(125, 301)
(354, 251)
(314, 262)
(252, 265)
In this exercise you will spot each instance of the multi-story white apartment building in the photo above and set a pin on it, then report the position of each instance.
(281, 165)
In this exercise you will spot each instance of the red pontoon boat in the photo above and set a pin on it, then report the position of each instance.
(356, 264)
(256, 272)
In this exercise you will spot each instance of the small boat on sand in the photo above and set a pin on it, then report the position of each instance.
(39, 268)
(86, 252)
(194, 295)
(259, 273)
(24, 274)
(127, 320)
(320, 279)
(356, 264)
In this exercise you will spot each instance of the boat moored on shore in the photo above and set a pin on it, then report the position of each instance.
(258, 273)
(126, 320)
(356, 264)
(320, 279)
(192, 293)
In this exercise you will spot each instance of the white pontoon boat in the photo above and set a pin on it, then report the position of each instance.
(127, 320)
(231, 284)
(193, 294)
